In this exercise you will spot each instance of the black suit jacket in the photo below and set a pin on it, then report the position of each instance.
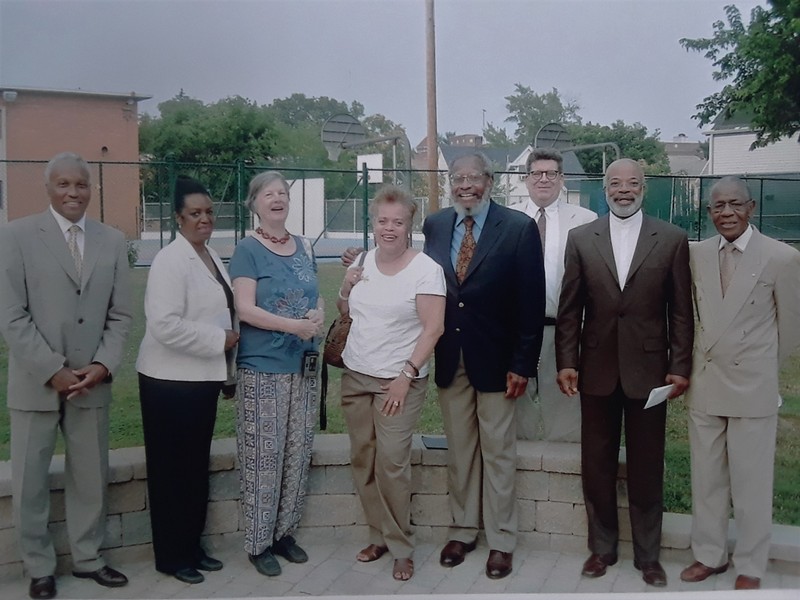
(495, 317)
(633, 336)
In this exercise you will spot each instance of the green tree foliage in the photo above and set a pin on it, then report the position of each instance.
(762, 62)
(496, 137)
(634, 141)
(530, 111)
(190, 131)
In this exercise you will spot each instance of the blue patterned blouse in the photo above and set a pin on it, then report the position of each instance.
(285, 286)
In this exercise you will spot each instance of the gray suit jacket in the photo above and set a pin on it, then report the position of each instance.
(50, 319)
(744, 336)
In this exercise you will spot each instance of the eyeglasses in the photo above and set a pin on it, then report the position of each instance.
(550, 175)
(736, 206)
(470, 179)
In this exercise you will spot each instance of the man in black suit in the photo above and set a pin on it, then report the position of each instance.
(493, 266)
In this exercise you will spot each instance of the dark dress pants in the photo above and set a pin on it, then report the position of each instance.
(178, 420)
(601, 424)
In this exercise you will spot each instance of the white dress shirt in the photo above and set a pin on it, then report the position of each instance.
(624, 235)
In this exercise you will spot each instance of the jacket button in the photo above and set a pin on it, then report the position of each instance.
(80, 321)
(458, 329)
(78, 292)
(460, 305)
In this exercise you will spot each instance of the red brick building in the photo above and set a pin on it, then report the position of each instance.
(36, 124)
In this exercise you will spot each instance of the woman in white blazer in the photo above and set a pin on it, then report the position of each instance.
(184, 362)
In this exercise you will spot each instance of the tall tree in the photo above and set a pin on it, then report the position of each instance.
(496, 137)
(299, 108)
(531, 111)
(634, 141)
(762, 61)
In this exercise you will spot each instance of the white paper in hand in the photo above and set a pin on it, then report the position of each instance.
(658, 395)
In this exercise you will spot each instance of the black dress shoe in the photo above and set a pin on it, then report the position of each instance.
(189, 575)
(206, 563)
(454, 552)
(288, 549)
(499, 564)
(266, 563)
(596, 564)
(105, 576)
(652, 573)
(42, 587)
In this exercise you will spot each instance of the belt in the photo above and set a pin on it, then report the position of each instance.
(549, 320)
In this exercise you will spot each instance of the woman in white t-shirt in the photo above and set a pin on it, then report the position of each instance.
(396, 300)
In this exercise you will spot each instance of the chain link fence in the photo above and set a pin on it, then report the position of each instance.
(327, 206)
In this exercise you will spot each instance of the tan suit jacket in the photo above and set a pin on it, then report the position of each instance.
(743, 337)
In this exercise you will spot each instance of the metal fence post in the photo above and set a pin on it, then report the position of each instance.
(365, 208)
(102, 191)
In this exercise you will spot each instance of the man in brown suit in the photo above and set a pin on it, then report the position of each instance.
(624, 327)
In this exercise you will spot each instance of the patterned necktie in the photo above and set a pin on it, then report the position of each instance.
(727, 265)
(542, 224)
(466, 251)
(73, 247)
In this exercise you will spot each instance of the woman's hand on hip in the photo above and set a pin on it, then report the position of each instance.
(395, 400)
(305, 329)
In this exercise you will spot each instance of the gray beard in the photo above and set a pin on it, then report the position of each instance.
(473, 211)
(626, 211)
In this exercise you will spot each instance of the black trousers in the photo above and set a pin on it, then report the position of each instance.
(601, 425)
(178, 421)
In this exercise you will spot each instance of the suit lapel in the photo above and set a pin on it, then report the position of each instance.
(602, 242)
(92, 244)
(648, 239)
(490, 235)
(53, 239)
(438, 246)
(744, 279)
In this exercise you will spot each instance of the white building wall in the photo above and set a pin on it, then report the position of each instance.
(731, 155)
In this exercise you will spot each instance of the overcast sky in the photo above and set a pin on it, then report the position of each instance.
(618, 59)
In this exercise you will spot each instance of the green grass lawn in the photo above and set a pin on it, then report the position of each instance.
(126, 424)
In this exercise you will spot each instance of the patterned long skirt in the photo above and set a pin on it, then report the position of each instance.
(276, 414)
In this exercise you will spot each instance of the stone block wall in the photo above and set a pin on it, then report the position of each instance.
(552, 515)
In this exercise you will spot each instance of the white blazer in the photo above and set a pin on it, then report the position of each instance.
(187, 315)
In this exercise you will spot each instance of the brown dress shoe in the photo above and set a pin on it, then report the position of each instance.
(499, 564)
(652, 573)
(697, 572)
(745, 582)
(596, 564)
(42, 587)
(105, 576)
(454, 552)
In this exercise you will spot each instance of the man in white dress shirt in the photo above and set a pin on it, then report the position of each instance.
(543, 412)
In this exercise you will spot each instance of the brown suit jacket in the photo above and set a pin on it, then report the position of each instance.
(634, 336)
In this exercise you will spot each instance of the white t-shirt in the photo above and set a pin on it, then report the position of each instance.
(386, 325)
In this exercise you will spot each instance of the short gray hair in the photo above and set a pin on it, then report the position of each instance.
(731, 181)
(258, 183)
(486, 165)
(393, 194)
(630, 161)
(66, 157)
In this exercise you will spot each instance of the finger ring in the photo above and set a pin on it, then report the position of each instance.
(396, 403)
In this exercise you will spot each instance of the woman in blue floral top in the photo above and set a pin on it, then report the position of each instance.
(277, 299)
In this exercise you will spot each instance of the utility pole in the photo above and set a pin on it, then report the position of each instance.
(433, 146)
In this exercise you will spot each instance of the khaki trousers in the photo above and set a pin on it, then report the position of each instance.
(481, 462)
(732, 460)
(380, 457)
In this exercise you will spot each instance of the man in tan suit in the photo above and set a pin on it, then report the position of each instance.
(64, 313)
(747, 299)
(625, 326)
(543, 412)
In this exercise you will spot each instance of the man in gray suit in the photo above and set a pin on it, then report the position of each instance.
(64, 313)
(543, 412)
(746, 290)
